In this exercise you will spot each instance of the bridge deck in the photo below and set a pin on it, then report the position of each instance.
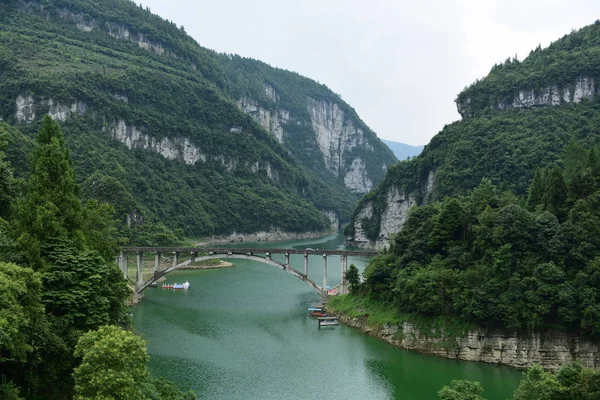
(220, 250)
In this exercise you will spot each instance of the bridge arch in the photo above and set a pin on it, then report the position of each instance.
(265, 260)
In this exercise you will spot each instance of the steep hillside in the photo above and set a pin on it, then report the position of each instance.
(402, 151)
(153, 125)
(311, 122)
(510, 127)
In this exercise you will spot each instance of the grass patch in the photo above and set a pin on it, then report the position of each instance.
(378, 315)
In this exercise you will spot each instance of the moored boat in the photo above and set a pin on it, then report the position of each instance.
(316, 310)
(176, 285)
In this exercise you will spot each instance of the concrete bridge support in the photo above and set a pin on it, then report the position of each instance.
(324, 274)
(343, 268)
(175, 258)
(306, 265)
(123, 263)
(140, 265)
(157, 257)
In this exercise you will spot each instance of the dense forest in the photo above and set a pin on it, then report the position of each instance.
(136, 95)
(500, 260)
(63, 316)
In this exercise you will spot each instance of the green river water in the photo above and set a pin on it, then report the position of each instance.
(243, 333)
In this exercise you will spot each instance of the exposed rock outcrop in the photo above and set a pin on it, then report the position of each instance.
(394, 214)
(271, 121)
(27, 108)
(584, 88)
(335, 134)
(550, 349)
(334, 219)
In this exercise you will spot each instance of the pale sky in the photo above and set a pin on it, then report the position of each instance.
(400, 64)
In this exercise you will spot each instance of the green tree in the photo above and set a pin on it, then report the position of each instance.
(113, 365)
(353, 278)
(461, 390)
(51, 210)
(7, 182)
(537, 189)
(538, 385)
(82, 290)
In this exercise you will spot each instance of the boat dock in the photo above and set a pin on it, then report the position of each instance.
(328, 321)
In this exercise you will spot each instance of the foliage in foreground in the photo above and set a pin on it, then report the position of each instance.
(60, 283)
(571, 382)
(114, 366)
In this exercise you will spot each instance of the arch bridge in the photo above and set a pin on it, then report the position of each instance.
(262, 255)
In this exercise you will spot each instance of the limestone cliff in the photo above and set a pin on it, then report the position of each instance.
(312, 123)
(582, 88)
(385, 213)
(550, 349)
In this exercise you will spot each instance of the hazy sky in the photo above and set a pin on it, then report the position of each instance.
(400, 64)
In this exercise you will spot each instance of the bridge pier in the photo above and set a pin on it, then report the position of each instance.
(175, 258)
(157, 257)
(324, 274)
(123, 263)
(139, 279)
(343, 267)
(305, 266)
(194, 255)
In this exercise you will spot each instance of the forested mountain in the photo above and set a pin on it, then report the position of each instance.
(310, 121)
(517, 119)
(156, 123)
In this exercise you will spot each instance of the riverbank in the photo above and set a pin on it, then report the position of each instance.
(458, 340)
(262, 236)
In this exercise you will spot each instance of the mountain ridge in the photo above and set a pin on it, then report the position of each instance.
(125, 82)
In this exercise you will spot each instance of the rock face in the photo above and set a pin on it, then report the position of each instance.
(334, 218)
(550, 349)
(26, 108)
(170, 148)
(271, 121)
(583, 88)
(334, 132)
(394, 214)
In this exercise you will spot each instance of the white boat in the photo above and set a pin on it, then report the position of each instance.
(177, 286)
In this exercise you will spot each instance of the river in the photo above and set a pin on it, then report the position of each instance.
(243, 333)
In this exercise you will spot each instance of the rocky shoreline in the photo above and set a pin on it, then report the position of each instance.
(262, 236)
(551, 349)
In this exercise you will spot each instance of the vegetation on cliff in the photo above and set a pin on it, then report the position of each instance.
(564, 61)
(499, 260)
